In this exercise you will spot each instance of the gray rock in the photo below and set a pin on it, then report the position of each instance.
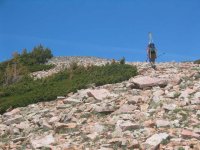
(198, 112)
(127, 125)
(98, 128)
(40, 142)
(135, 99)
(16, 120)
(3, 129)
(162, 123)
(103, 108)
(63, 106)
(61, 97)
(71, 101)
(197, 95)
(169, 107)
(155, 140)
(195, 102)
(19, 139)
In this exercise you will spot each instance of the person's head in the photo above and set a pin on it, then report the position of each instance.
(151, 45)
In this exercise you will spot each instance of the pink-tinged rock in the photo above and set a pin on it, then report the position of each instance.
(53, 120)
(195, 102)
(162, 123)
(12, 113)
(146, 81)
(23, 125)
(190, 91)
(100, 94)
(149, 123)
(17, 119)
(189, 134)
(175, 80)
(194, 122)
(158, 93)
(134, 144)
(127, 125)
(125, 109)
(93, 135)
(45, 141)
(46, 125)
(144, 107)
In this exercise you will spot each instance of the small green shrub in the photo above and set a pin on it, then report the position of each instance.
(197, 61)
(181, 148)
(122, 61)
(39, 67)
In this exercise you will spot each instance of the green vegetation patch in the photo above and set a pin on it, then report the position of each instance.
(28, 91)
(13, 70)
(197, 61)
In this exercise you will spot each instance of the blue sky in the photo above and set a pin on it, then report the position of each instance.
(104, 28)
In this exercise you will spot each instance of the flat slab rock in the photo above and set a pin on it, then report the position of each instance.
(100, 94)
(146, 81)
(42, 141)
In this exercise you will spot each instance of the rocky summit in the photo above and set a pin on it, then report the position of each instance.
(157, 109)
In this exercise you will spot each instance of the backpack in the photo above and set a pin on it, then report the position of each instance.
(152, 48)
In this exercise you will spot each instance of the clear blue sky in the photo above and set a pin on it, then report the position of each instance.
(104, 28)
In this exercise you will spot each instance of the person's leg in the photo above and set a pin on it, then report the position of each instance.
(152, 62)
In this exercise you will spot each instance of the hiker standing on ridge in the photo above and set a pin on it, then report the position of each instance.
(151, 51)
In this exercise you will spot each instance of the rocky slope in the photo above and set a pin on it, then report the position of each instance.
(158, 109)
(65, 62)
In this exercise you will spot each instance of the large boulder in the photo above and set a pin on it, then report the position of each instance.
(146, 81)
